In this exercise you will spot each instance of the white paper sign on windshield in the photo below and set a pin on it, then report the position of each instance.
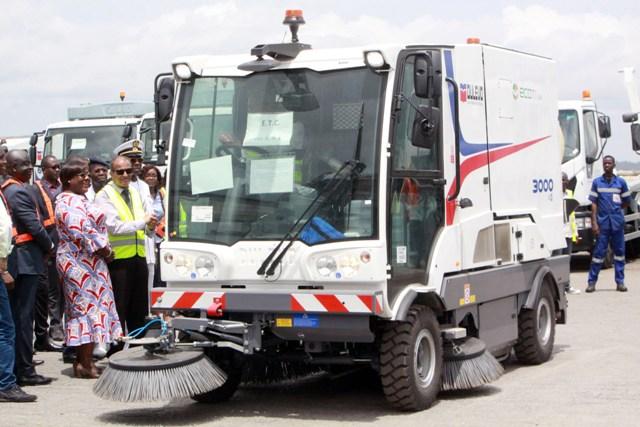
(268, 129)
(211, 175)
(78, 144)
(271, 175)
(201, 213)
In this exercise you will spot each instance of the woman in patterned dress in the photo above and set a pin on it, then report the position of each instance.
(83, 253)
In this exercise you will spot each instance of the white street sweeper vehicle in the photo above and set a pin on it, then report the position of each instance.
(398, 207)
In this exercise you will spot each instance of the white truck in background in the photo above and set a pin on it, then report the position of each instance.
(633, 217)
(94, 130)
(585, 131)
(373, 206)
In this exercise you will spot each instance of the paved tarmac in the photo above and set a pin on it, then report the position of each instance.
(593, 379)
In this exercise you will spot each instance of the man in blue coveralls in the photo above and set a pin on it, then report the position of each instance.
(609, 197)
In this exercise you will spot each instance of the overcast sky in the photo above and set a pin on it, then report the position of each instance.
(62, 53)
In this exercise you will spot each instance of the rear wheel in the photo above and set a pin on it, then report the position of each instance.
(411, 360)
(537, 330)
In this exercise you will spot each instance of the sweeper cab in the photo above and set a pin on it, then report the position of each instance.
(398, 207)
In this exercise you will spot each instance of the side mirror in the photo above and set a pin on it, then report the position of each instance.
(423, 76)
(635, 136)
(426, 126)
(33, 141)
(126, 132)
(604, 126)
(630, 117)
(163, 99)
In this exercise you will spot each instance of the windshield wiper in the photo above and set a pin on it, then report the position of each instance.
(353, 168)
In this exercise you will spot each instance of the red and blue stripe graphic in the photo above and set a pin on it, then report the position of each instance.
(482, 153)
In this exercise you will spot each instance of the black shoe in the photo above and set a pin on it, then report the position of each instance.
(68, 355)
(56, 334)
(34, 379)
(590, 288)
(16, 394)
(46, 346)
(37, 362)
(621, 288)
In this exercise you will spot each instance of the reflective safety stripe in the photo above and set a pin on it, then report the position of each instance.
(608, 190)
(593, 193)
(50, 220)
(123, 242)
(20, 238)
(17, 238)
(619, 258)
(626, 194)
(130, 244)
(597, 260)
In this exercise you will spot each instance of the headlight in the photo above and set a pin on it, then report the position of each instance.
(587, 222)
(349, 265)
(204, 266)
(183, 71)
(183, 265)
(168, 257)
(326, 266)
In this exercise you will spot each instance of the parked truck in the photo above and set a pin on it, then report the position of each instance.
(372, 206)
(94, 130)
(585, 131)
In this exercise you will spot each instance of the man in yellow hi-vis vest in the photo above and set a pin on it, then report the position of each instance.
(128, 218)
(571, 228)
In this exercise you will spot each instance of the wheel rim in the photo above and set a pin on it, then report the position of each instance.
(424, 358)
(544, 321)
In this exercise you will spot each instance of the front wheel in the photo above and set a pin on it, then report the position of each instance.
(232, 366)
(537, 330)
(411, 360)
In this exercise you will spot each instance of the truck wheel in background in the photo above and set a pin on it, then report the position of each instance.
(411, 360)
(608, 259)
(537, 330)
(233, 368)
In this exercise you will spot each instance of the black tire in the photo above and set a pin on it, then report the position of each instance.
(222, 393)
(232, 366)
(411, 360)
(608, 259)
(537, 330)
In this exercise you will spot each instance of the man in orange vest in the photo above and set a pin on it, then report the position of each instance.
(49, 300)
(26, 262)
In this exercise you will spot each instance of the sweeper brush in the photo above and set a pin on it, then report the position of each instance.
(137, 374)
(468, 365)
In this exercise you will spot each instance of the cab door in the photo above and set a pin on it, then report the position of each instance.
(416, 193)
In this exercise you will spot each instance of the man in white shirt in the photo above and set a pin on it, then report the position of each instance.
(133, 150)
(129, 218)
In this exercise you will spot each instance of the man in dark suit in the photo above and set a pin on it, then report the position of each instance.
(26, 262)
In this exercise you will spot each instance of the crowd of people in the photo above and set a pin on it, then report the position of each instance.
(77, 255)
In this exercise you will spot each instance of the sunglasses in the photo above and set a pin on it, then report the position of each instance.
(124, 171)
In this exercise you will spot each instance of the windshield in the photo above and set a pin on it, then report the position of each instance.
(93, 142)
(571, 133)
(251, 153)
(148, 137)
